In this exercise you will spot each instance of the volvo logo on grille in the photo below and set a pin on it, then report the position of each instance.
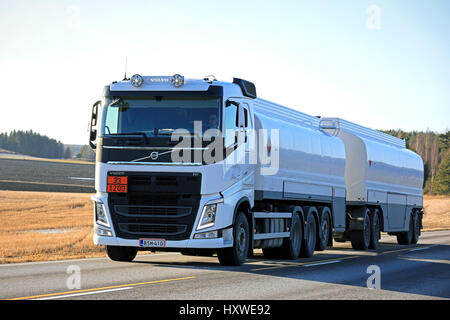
(154, 155)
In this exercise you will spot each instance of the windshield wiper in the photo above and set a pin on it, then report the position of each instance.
(162, 132)
(137, 133)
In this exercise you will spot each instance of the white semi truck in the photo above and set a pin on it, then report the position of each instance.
(201, 166)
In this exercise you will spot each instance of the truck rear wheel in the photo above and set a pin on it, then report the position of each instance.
(361, 238)
(324, 231)
(375, 234)
(237, 254)
(416, 228)
(309, 244)
(292, 245)
(405, 238)
(120, 253)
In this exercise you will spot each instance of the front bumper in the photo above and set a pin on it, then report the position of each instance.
(224, 240)
(182, 244)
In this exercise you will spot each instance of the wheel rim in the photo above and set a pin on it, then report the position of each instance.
(366, 230)
(416, 224)
(295, 238)
(376, 228)
(311, 234)
(242, 240)
(324, 230)
(416, 228)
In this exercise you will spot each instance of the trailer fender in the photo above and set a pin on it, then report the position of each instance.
(357, 215)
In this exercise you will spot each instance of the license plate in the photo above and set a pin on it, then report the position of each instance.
(152, 243)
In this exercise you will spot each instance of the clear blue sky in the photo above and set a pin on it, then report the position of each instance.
(321, 57)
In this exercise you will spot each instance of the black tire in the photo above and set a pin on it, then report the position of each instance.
(361, 238)
(406, 238)
(120, 253)
(416, 228)
(375, 231)
(309, 244)
(323, 235)
(237, 254)
(291, 246)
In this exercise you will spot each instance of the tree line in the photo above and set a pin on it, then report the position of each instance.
(435, 152)
(34, 144)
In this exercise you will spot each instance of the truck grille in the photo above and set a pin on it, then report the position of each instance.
(152, 229)
(157, 205)
(149, 211)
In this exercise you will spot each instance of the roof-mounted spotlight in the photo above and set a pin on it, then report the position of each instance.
(210, 78)
(136, 81)
(177, 80)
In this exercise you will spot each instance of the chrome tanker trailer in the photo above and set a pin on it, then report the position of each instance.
(201, 166)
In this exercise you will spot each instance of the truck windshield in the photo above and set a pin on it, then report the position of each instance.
(156, 116)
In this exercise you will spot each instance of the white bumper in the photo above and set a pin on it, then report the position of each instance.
(182, 244)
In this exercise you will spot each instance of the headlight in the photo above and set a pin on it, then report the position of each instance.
(100, 215)
(208, 216)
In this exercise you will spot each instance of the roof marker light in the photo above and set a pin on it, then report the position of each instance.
(136, 81)
(177, 80)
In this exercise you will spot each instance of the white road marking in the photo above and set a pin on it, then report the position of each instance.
(84, 293)
(321, 263)
(5, 265)
(418, 249)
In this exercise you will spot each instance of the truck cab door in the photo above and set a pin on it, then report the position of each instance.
(238, 128)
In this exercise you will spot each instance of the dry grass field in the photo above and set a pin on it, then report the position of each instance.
(39, 226)
(45, 226)
(437, 213)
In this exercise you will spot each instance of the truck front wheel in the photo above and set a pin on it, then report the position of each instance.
(237, 254)
(120, 253)
(405, 238)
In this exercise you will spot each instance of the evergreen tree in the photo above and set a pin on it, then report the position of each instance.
(441, 182)
(67, 153)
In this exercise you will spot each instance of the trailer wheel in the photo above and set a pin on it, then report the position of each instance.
(416, 228)
(406, 238)
(375, 234)
(237, 254)
(361, 238)
(120, 253)
(292, 245)
(309, 244)
(324, 232)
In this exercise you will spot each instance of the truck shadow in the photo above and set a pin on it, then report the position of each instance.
(417, 269)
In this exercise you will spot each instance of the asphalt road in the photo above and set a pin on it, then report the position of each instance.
(419, 271)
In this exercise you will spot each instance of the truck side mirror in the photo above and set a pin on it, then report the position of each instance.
(92, 124)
